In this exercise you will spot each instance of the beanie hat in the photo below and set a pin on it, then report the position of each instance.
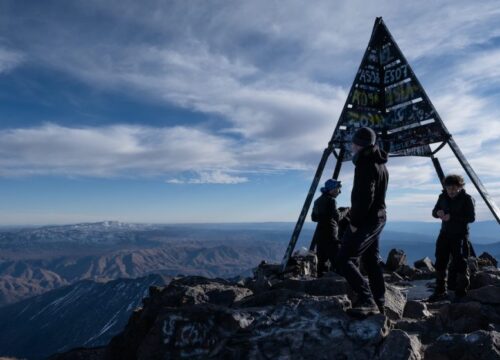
(331, 184)
(364, 137)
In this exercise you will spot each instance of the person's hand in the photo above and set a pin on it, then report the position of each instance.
(440, 214)
(353, 228)
(446, 217)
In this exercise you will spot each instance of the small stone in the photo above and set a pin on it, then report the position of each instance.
(416, 310)
(486, 259)
(425, 264)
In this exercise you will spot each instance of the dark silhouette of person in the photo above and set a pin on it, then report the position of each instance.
(456, 210)
(368, 218)
(327, 217)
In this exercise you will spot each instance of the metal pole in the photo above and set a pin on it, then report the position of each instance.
(438, 168)
(338, 165)
(475, 179)
(305, 207)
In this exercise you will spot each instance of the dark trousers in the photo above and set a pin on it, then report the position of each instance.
(452, 271)
(364, 244)
(456, 246)
(326, 250)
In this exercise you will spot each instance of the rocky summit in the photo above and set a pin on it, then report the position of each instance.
(295, 315)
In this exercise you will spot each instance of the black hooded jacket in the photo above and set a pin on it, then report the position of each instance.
(326, 214)
(370, 185)
(461, 210)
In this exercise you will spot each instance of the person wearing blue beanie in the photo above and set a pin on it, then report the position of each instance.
(326, 214)
(331, 184)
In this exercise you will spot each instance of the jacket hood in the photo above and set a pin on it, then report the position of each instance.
(374, 153)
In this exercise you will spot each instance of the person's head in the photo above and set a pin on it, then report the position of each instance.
(332, 187)
(362, 138)
(453, 184)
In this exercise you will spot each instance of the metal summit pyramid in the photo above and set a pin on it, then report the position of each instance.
(387, 97)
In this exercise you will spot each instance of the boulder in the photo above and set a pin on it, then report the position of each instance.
(309, 329)
(398, 345)
(480, 344)
(463, 317)
(424, 264)
(194, 331)
(181, 292)
(395, 259)
(486, 259)
(416, 310)
(192, 290)
(489, 294)
(395, 301)
(484, 278)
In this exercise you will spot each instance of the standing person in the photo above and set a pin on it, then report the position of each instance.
(326, 214)
(368, 217)
(455, 208)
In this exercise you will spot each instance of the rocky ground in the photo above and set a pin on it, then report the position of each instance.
(296, 315)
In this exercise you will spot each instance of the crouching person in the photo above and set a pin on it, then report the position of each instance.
(455, 208)
(326, 214)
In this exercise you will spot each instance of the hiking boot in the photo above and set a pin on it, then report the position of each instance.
(381, 306)
(440, 292)
(364, 308)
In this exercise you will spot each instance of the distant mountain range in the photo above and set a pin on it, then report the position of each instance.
(86, 313)
(39, 259)
(36, 260)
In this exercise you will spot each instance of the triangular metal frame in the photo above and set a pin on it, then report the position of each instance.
(387, 96)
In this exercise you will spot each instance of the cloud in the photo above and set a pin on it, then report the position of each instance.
(483, 68)
(210, 177)
(9, 59)
(111, 150)
(272, 78)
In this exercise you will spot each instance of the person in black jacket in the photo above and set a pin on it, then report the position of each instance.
(455, 208)
(368, 218)
(326, 214)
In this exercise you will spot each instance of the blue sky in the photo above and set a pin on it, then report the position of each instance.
(189, 111)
